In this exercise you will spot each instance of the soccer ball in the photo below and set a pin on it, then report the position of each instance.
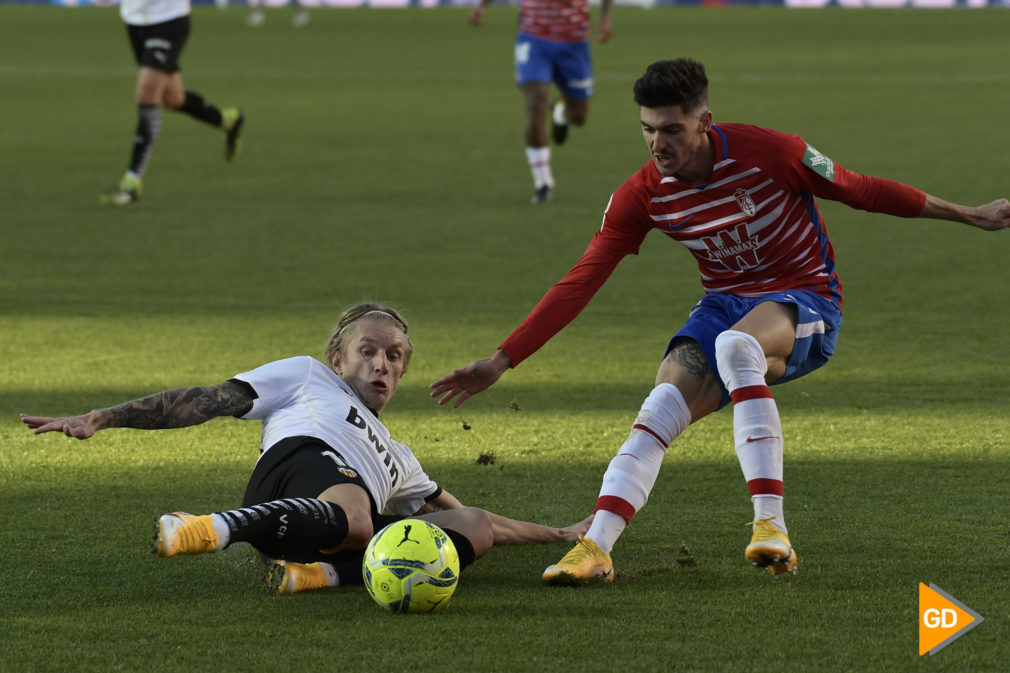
(411, 566)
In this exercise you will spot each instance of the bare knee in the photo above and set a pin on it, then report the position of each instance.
(173, 100)
(479, 530)
(359, 529)
(471, 522)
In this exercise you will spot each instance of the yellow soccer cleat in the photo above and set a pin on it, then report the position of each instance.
(584, 563)
(770, 548)
(180, 533)
(284, 577)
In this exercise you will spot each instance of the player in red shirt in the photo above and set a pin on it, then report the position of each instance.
(742, 200)
(552, 46)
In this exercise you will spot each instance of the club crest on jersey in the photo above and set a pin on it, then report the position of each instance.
(819, 163)
(743, 198)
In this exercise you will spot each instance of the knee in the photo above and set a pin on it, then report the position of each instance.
(359, 529)
(737, 352)
(536, 105)
(172, 100)
(478, 529)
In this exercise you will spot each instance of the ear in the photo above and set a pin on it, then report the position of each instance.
(336, 364)
(706, 120)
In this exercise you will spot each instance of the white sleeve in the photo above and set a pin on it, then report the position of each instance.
(276, 384)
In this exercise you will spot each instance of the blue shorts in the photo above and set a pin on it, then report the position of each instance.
(566, 64)
(817, 323)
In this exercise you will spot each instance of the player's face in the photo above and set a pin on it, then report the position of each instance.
(678, 142)
(373, 362)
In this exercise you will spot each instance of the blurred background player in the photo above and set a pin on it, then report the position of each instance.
(329, 475)
(158, 30)
(259, 17)
(741, 199)
(552, 46)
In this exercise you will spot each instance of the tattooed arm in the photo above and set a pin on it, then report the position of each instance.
(175, 408)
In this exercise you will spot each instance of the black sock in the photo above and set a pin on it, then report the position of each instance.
(196, 106)
(148, 126)
(293, 529)
(464, 548)
(348, 567)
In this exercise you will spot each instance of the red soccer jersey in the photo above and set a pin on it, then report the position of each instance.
(559, 20)
(753, 225)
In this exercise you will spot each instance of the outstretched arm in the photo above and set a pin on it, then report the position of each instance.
(990, 216)
(510, 531)
(471, 379)
(177, 408)
(441, 502)
(505, 530)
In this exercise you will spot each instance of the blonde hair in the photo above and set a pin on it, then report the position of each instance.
(370, 312)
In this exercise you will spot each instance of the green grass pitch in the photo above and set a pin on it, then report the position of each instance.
(383, 159)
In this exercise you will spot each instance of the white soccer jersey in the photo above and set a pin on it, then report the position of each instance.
(150, 12)
(301, 396)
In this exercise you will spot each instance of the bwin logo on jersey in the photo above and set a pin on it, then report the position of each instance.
(355, 419)
(746, 202)
(819, 163)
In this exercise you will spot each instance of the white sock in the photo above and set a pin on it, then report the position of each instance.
(770, 507)
(632, 472)
(757, 429)
(539, 160)
(558, 113)
(606, 528)
(222, 530)
(332, 578)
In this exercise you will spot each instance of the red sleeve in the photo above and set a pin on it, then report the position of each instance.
(876, 195)
(625, 224)
(810, 171)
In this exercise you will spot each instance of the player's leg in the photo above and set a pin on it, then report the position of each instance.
(150, 49)
(151, 84)
(338, 564)
(796, 333)
(533, 75)
(750, 355)
(257, 17)
(686, 391)
(229, 120)
(469, 528)
(302, 500)
(301, 17)
(573, 74)
(278, 528)
(538, 151)
(565, 112)
(293, 527)
(174, 95)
